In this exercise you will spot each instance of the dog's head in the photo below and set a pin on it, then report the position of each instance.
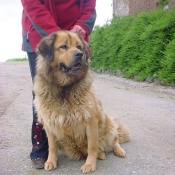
(62, 58)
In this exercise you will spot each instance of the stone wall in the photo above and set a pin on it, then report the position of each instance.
(120, 7)
(172, 3)
(141, 5)
(125, 7)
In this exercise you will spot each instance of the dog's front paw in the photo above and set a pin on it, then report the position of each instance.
(50, 166)
(86, 168)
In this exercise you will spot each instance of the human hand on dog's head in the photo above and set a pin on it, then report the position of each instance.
(78, 29)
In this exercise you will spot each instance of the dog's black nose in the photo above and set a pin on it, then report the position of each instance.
(78, 54)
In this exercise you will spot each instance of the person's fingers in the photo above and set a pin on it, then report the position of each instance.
(78, 29)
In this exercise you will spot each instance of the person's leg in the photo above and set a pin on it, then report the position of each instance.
(39, 151)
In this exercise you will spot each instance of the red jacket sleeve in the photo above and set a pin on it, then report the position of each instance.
(38, 14)
(88, 16)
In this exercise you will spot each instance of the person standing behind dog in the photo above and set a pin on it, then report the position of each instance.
(40, 18)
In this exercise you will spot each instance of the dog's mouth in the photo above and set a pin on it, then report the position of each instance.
(71, 69)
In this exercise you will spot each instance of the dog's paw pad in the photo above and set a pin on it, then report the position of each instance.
(50, 166)
(86, 168)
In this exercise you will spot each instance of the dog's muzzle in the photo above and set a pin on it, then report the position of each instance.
(75, 64)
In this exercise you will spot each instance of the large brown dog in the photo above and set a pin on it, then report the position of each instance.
(67, 106)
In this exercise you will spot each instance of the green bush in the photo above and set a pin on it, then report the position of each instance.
(167, 71)
(140, 47)
(162, 3)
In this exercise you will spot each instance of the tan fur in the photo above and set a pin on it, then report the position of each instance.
(67, 106)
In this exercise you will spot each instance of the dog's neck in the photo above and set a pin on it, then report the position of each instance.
(63, 92)
(82, 85)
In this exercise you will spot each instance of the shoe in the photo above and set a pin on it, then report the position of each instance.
(38, 163)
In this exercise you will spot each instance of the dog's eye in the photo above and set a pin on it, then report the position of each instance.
(78, 47)
(63, 47)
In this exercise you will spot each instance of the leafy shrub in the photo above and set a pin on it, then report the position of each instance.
(140, 47)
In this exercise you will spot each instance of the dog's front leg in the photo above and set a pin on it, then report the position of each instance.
(92, 139)
(52, 159)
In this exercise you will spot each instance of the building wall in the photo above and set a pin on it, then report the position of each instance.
(125, 7)
(120, 7)
(172, 3)
(141, 5)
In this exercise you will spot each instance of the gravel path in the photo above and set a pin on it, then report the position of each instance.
(147, 109)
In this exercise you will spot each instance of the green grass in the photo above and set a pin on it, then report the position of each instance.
(17, 60)
(139, 47)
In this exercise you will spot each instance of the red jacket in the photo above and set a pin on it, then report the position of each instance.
(42, 17)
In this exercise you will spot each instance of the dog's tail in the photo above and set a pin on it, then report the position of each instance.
(123, 132)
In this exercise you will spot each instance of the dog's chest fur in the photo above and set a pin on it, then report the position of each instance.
(71, 136)
(67, 116)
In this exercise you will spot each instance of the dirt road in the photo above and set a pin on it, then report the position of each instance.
(147, 109)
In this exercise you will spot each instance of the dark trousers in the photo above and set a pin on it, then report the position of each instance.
(38, 135)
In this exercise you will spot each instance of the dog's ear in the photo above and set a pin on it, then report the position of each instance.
(46, 46)
(87, 49)
(86, 46)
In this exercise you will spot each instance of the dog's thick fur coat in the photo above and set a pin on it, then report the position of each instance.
(67, 106)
